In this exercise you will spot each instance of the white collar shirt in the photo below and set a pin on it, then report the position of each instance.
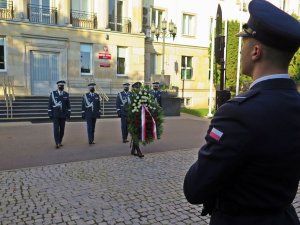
(270, 77)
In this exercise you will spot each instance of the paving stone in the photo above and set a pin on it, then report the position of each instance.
(121, 190)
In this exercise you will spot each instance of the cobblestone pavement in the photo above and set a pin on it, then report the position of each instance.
(120, 190)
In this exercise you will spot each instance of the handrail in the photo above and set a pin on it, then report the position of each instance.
(83, 19)
(12, 89)
(121, 24)
(6, 10)
(6, 97)
(11, 94)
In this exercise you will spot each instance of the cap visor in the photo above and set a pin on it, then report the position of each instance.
(242, 34)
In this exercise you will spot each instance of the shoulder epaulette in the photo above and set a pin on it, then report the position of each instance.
(244, 96)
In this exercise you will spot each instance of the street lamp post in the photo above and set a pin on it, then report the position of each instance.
(172, 32)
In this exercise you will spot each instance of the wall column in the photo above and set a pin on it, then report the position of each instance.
(101, 10)
(20, 7)
(136, 16)
(64, 10)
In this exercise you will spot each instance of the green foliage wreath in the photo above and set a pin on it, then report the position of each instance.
(138, 98)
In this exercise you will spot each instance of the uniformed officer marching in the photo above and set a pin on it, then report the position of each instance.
(123, 98)
(156, 93)
(91, 110)
(59, 109)
(249, 169)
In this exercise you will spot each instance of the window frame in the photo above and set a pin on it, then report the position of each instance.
(3, 4)
(88, 2)
(191, 25)
(91, 59)
(125, 61)
(157, 64)
(155, 19)
(185, 67)
(4, 54)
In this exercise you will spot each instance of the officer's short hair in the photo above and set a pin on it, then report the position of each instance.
(272, 26)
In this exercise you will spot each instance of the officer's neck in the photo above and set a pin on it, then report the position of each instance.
(266, 69)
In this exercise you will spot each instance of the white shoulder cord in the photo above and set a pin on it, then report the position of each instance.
(56, 104)
(88, 104)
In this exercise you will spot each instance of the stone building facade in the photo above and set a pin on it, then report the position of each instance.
(108, 41)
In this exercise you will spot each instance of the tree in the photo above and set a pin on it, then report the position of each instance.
(232, 59)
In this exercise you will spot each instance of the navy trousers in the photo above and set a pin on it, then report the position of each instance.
(91, 123)
(59, 129)
(124, 127)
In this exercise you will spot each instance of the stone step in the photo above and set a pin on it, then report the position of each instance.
(36, 108)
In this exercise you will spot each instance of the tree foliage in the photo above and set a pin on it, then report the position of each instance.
(232, 62)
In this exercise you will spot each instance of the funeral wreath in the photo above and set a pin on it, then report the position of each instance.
(145, 117)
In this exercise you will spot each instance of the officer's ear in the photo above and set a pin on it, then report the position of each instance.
(257, 51)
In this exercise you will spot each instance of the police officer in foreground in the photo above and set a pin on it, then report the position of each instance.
(123, 98)
(248, 171)
(59, 110)
(156, 93)
(91, 110)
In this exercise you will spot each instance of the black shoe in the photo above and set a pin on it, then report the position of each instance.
(133, 152)
(93, 143)
(139, 152)
(60, 145)
(56, 146)
(125, 140)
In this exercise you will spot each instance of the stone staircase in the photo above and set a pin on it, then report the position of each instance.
(35, 108)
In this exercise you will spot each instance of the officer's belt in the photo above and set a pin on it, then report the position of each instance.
(233, 209)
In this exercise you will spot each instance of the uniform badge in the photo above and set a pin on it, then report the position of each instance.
(216, 134)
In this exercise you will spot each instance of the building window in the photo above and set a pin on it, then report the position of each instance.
(155, 63)
(245, 5)
(81, 5)
(121, 61)
(2, 53)
(42, 11)
(188, 25)
(186, 68)
(117, 22)
(86, 59)
(3, 4)
(157, 16)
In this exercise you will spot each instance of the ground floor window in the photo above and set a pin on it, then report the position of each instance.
(121, 61)
(186, 68)
(2, 53)
(86, 59)
(155, 64)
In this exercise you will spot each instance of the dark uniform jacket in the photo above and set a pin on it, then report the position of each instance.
(59, 105)
(157, 96)
(249, 168)
(123, 98)
(91, 107)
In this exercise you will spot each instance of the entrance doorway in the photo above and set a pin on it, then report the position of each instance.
(44, 70)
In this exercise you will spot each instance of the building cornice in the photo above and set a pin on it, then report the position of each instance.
(72, 29)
